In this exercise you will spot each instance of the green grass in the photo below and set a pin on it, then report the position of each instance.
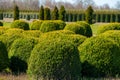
(6, 24)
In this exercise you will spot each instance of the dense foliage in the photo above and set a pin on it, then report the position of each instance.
(16, 12)
(78, 29)
(100, 56)
(36, 25)
(47, 26)
(32, 33)
(4, 61)
(55, 14)
(41, 13)
(109, 26)
(61, 24)
(55, 59)
(62, 13)
(19, 54)
(65, 35)
(47, 14)
(20, 24)
(10, 36)
(89, 15)
(87, 31)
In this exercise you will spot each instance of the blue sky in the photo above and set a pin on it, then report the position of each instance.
(99, 2)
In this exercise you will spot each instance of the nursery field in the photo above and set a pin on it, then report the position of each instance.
(56, 50)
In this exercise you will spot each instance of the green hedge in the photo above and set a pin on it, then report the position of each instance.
(36, 25)
(78, 29)
(109, 26)
(55, 59)
(87, 29)
(20, 24)
(47, 26)
(4, 61)
(19, 54)
(100, 56)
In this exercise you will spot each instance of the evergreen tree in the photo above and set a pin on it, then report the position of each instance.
(16, 12)
(55, 13)
(62, 13)
(89, 15)
(47, 15)
(1, 15)
(41, 13)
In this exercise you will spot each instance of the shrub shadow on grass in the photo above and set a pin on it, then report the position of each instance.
(17, 65)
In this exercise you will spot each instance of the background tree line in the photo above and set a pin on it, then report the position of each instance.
(35, 4)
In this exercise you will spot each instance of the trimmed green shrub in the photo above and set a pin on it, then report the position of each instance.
(65, 35)
(2, 30)
(20, 52)
(4, 61)
(55, 59)
(87, 29)
(20, 24)
(9, 36)
(32, 33)
(36, 25)
(1, 23)
(78, 29)
(110, 26)
(112, 34)
(47, 26)
(61, 24)
(100, 57)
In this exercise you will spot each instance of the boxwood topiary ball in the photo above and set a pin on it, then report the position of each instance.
(100, 56)
(47, 26)
(55, 59)
(87, 29)
(20, 24)
(110, 26)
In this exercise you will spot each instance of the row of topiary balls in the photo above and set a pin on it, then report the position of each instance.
(50, 25)
(60, 55)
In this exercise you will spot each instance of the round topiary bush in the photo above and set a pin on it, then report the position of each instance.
(47, 26)
(65, 35)
(36, 25)
(20, 24)
(110, 26)
(20, 52)
(1, 23)
(78, 29)
(32, 33)
(55, 59)
(2, 30)
(100, 57)
(61, 24)
(4, 61)
(10, 36)
(87, 29)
